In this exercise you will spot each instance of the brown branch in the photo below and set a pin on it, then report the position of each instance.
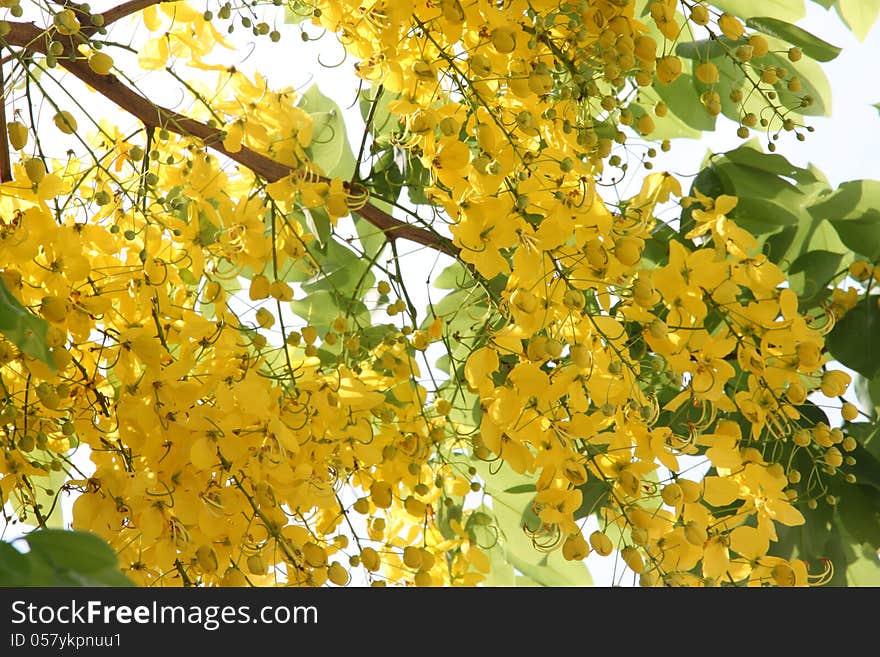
(29, 37)
(5, 164)
(394, 228)
(87, 30)
(127, 9)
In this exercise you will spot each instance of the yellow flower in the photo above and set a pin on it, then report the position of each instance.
(668, 69)
(764, 487)
(682, 281)
(449, 161)
(835, 383)
(482, 237)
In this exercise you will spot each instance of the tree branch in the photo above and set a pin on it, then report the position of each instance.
(110, 16)
(127, 9)
(30, 38)
(5, 164)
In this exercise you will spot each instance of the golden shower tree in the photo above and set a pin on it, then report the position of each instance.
(208, 301)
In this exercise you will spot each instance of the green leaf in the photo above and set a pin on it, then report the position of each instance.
(859, 510)
(657, 247)
(730, 77)
(110, 576)
(501, 573)
(811, 538)
(703, 49)
(773, 198)
(72, 550)
(708, 183)
(50, 502)
(329, 149)
(855, 339)
(463, 310)
(15, 567)
(865, 570)
(77, 558)
(317, 222)
(868, 435)
(868, 393)
(679, 96)
(824, 237)
(807, 541)
(320, 308)
(22, 328)
(521, 488)
(681, 99)
(811, 273)
(867, 466)
(814, 81)
(808, 235)
(671, 126)
(454, 277)
(750, 155)
(594, 493)
(372, 238)
(838, 548)
(876, 106)
(342, 272)
(862, 233)
(854, 211)
(859, 15)
(765, 202)
(811, 45)
(787, 10)
(814, 414)
(384, 122)
(544, 568)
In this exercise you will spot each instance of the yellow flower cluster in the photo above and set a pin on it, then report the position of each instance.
(224, 457)
(503, 105)
(219, 455)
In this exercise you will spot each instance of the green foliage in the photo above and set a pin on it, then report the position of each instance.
(383, 122)
(679, 97)
(21, 327)
(813, 232)
(855, 339)
(854, 211)
(859, 15)
(848, 533)
(868, 394)
(683, 95)
(772, 192)
(60, 558)
(811, 272)
(812, 45)
(777, 20)
(47, 489)
(329, 148)
(787, 10)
